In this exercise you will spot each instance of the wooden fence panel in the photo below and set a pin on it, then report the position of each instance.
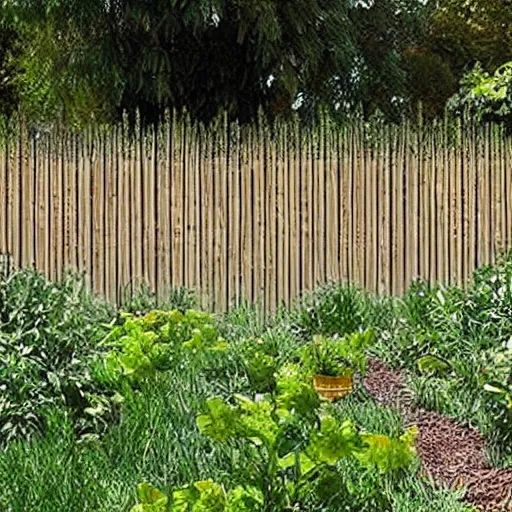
(259, 213)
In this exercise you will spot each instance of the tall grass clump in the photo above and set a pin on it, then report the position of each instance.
(141, 299)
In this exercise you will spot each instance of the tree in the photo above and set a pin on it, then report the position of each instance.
(487, 96)
(453, 36)
(8, 98)
(92, 60)
(464, 32)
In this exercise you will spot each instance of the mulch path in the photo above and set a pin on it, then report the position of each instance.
(450, 453)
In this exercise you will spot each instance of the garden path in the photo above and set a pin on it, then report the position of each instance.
(452, 454)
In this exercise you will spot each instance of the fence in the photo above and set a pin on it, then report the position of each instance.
(261, 212)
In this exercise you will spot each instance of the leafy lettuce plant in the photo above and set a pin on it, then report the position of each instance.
(143, 346)
(267, 428)
(203, 496)
(387, 454)
(290, 452)
(260, 363)
(295, 391)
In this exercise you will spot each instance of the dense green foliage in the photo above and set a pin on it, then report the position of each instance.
(47, 335)
(92, 60)
(457, 343)
(215, 413)
(487, 96)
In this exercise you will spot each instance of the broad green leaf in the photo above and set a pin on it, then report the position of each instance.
(287, 462)
(494, 389)
(221, 422)
(245, 499)
(148, 494)
(333, 441)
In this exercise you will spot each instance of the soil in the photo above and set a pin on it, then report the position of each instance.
(451, 454)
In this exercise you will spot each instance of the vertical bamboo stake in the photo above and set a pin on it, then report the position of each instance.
(270, 281)
(40, 200)
(446, 203)
(248, 217)
(125, 212)
(85, 206)
(374, 208)
(210, 194)
(433, 211)
(111, 232)
(233, 217)
(148, 178)
(66, 220)
(305, 209)
(320, 213)
(344, 157)
(399, 275)
(177, 212)
(187, 207)
(27, 198)
(385, 212)
(394, 278)
(97, 202)
(285, 230)
(256, 202)
(4, 218)
(491, 176)
(14, 202)
(221, 226)
(197, 209)
(205, 192)
(295, 197)
(459, 201)
(332, 207)
(73, 204)
(280, 215)
(482, 193)
(502, 229)
(107, 214)
(360, 257)
(508, 189)
(223, 217)
(368, 214)
(351, 204)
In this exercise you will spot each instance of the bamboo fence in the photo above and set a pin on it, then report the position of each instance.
(260, 212)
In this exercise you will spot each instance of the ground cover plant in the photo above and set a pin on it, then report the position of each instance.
(457, 345)
(203, 413)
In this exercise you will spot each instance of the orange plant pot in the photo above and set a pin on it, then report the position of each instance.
(332, 387)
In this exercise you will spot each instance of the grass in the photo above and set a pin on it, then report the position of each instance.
(157, 440)
(154, 437)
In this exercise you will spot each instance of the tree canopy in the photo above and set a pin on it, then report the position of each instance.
(95, 59)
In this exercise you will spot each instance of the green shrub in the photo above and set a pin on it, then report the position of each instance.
(487, 311)
(141, 300)
(293, 454)
(456, 340)
(337, 357)
(334, 309)
(48, 332)
(143, 346)
(498, 388)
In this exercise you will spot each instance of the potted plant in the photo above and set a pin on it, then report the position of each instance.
(334, 361)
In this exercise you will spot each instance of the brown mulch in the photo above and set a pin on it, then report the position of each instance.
(450, 453)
